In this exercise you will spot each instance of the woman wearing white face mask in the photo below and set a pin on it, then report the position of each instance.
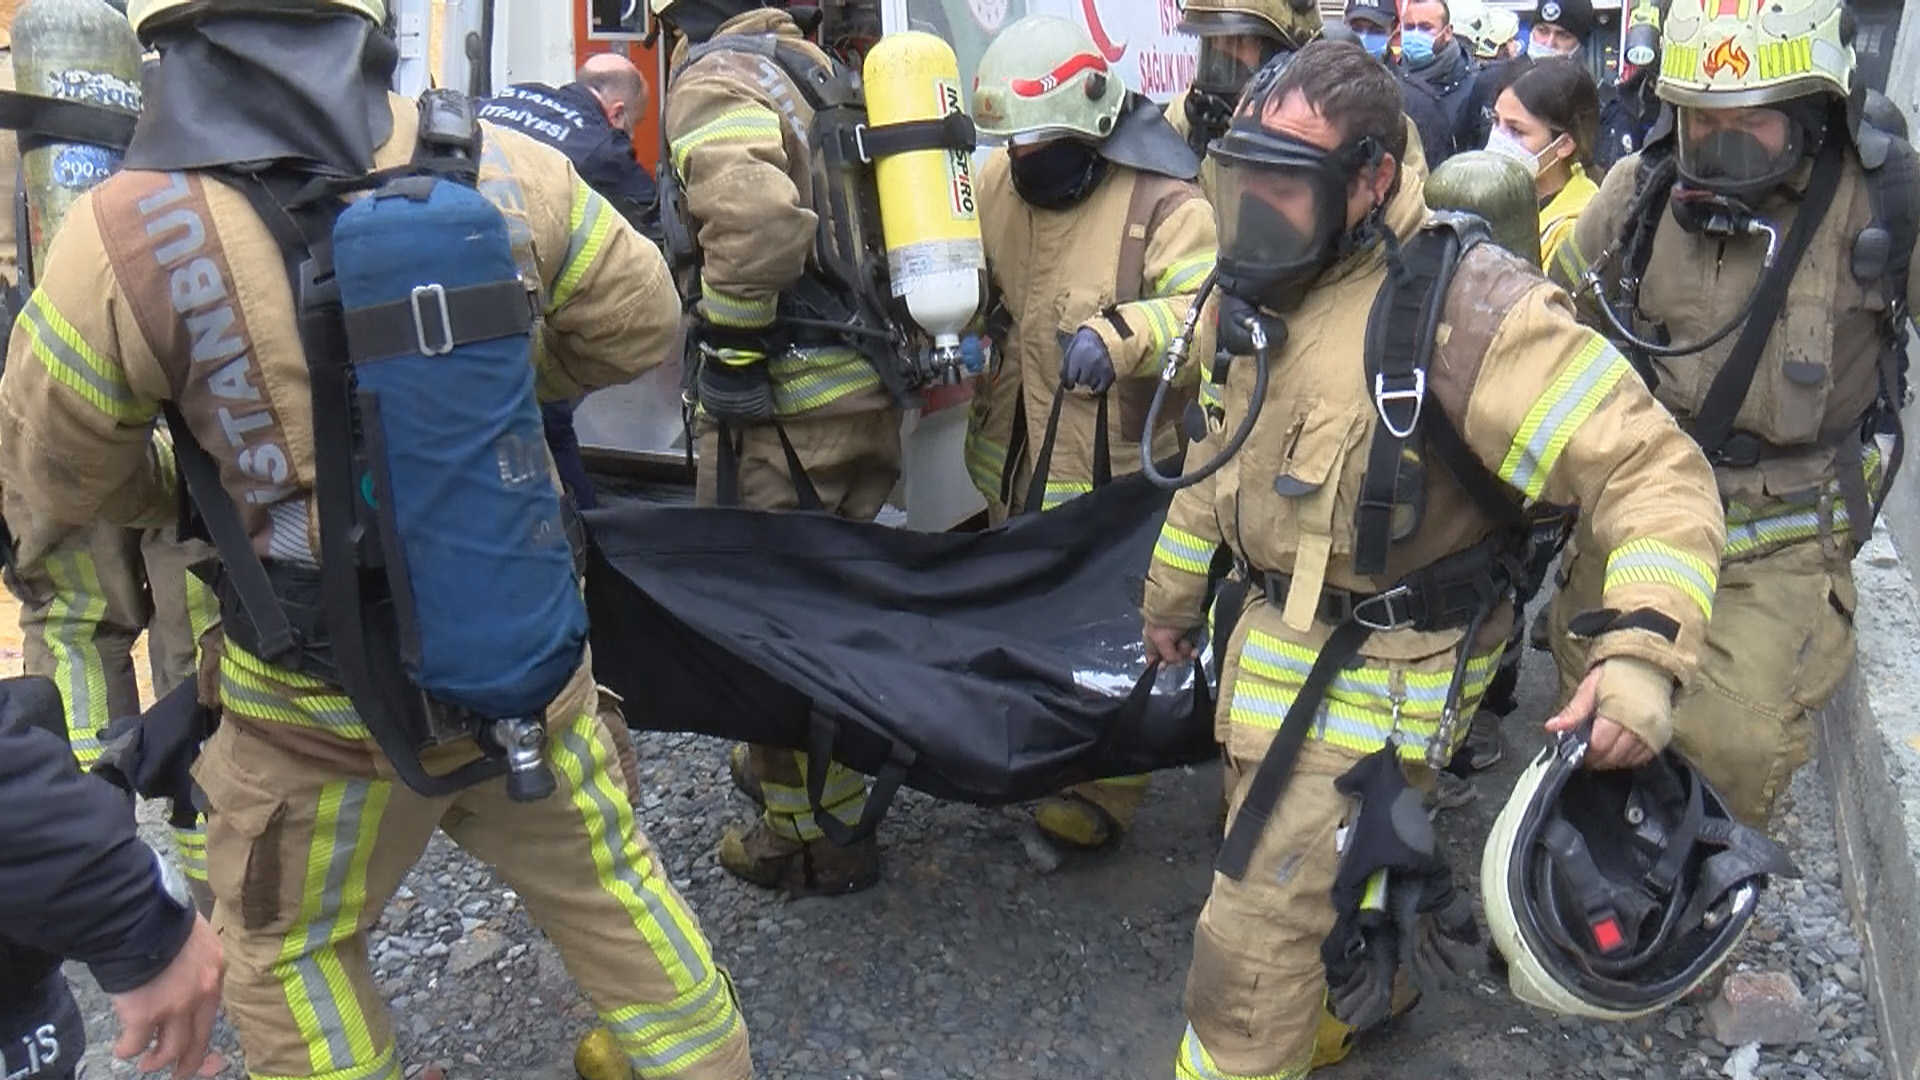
(1547, 120)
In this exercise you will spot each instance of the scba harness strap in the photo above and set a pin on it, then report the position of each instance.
(349, 622)
(1461, 590)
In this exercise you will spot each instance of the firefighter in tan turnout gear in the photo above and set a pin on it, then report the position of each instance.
(142, 308)
(779, 383)
(87, 594)
(1237, 38)
(1375, 600)
(1096, 240)
(1783, 375)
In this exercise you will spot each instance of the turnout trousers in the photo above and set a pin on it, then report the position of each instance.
(853, 462)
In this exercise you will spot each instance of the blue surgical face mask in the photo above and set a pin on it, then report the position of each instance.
(1375, 43)
(1416, 46)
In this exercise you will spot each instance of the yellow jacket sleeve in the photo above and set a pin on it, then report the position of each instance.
(1560, 415)
(1180, 253)
(754, 233)
(80, 395)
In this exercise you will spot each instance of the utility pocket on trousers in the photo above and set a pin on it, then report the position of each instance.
(246, 827)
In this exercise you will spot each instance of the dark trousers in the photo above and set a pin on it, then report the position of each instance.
(564, 444)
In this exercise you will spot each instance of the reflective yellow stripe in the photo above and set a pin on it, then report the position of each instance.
(1061, 492)
(1357, 712)
(790, 812)
(1569, 263)
(203, 608)
(667, 1041)
(384, 1066)
(623, 868)
(815, 378)
(1183, 275)
(986, 464)
(334, 890)
(79, 367)
(1559, 412)
(1211, 393)
(254, 688)
(1183, 550)
(1750, 531)
(166, 512)
(589, 221)
(1162, 323)
(193, 851)
(729, 309)
(1657, 562)
(71, 629)
(748, 124)
(1194, 1063)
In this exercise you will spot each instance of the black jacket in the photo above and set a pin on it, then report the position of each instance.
(76, 881)
(571, 121)
(1448, 82)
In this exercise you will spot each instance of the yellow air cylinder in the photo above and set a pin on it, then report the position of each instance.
(928, 216)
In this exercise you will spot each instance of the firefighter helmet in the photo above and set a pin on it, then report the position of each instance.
(1292, 22)
(1044, 78)
(1760, 55)
(1486, 29)
(150, 15)
(1612, 894)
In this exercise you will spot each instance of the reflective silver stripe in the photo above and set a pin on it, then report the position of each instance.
(329, 900)
(624, 871)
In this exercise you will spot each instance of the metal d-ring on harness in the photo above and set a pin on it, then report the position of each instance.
(1176, 358)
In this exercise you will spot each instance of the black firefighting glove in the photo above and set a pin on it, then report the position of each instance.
(1439, 942)
(735, 389)
(1361, 956)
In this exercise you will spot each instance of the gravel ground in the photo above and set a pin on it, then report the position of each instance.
(971, 962)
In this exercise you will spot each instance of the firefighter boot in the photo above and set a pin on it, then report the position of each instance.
(740, 769)
(1091, 816)
(819, 867)
(599, 1057)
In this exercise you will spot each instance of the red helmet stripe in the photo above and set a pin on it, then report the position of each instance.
(1071, 66)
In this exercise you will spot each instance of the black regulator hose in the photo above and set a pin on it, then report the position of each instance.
(1176, 359)
(1623, 332)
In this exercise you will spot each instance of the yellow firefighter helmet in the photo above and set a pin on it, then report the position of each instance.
(1723, 54)
(1044, 78)
(150, 15)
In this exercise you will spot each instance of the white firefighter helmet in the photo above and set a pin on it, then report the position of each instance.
(148, 15)
(1044, 78)
(1612, 894)
(1721, 54)
(1485, 27)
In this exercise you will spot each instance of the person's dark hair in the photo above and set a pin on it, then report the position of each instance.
(1495, 78)
(1353, 91)
(1446, 10)
(1560, 93)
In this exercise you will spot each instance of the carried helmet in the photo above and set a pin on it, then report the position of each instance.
(147, 16)
(1044, 78)
(1764, 55)
(1487, 29)
(1612, 894)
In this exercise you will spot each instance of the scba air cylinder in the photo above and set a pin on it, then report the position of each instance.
(71, 50)
(928, 215)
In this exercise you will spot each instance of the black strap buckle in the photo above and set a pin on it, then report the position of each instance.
(1390, 610)
(1741, 450)
(438, 296)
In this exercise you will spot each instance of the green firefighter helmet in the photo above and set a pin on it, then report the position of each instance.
(1292, 22)
(150, 15)
(1723, 54)
(1044, 78)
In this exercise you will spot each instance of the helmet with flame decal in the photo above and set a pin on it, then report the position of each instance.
(1044, 78)
(1721, 54)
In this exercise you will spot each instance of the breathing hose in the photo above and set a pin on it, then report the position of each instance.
(1748, 226)
(1176, 359)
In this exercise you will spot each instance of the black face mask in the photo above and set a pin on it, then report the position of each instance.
(1280, 260)
(1058, 175)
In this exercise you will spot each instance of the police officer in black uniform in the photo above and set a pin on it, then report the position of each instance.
(76, 882)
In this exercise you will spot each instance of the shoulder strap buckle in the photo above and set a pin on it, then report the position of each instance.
(1385, 400)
